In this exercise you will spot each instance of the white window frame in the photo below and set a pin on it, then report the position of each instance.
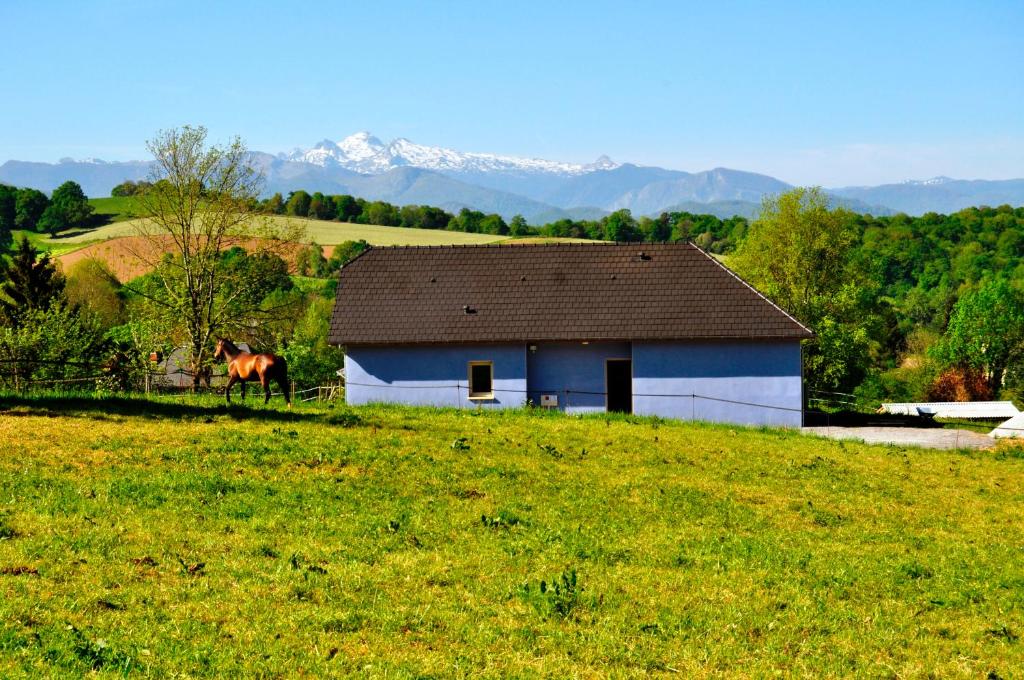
(480, 395)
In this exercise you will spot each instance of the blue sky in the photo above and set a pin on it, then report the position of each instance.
(817, 93)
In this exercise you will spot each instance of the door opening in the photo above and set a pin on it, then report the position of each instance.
(619, 385)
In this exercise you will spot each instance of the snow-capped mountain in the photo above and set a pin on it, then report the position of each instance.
(364, 153)
(403, 172)
(929, 182)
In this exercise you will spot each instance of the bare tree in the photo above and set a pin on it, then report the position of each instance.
(201, 202)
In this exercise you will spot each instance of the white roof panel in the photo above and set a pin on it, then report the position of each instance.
(954, 409)
(1014, 427)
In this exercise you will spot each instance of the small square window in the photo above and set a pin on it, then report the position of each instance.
(481, 379)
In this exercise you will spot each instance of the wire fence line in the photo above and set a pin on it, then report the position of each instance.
(333, 391)
(567, 391)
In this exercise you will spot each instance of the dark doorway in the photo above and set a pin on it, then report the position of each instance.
(619, 379)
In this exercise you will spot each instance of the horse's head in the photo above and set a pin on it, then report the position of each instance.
(218, 353)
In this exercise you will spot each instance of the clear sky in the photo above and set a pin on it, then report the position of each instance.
(829, 93)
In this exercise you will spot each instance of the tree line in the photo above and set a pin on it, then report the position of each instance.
(31, 210)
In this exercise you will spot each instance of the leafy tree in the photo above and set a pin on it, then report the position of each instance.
(434, 218)
(92, 287)
(310, 261)
(493, 224)
(382, 213)
(54, 342)
(8, 198)
(128, 188)
(345, 251)
(298, 203)
(518, 226)
(32, 283)
(410, 216)
(68, 208)
(620, 226)
(274, 205)
(657, 230)
(311, 359)
(28, 208)
(346, 208)
(321, 207)
(467, 220)
(200, 205)
(986, 332)
(800, 253)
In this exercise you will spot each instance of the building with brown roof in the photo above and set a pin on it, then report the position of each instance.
(652, 329)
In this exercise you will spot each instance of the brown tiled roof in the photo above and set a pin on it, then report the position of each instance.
(520, 293)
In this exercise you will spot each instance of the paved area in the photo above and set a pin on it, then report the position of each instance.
(931, 438)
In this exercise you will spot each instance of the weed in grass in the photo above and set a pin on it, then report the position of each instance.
(467, 494)
(460, 444)
(1003, 633)
(827, 519)
(7, 531)
(343, 419)
(551, 451)
(20, 570)
(916, 571)
(98, 655)
(268, 551)
(559, 599)
(350, 623)
(192, 568)
(502, 520)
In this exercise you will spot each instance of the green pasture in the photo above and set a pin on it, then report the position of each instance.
(174, 537)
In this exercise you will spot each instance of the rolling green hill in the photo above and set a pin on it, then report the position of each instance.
(115, 208)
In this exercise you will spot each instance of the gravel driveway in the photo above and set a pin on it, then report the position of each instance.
(931, 438)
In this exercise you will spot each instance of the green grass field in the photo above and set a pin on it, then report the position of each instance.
(176, 538)
(115, 208)
(43, 243)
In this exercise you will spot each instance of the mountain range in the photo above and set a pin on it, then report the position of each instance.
(403, 172)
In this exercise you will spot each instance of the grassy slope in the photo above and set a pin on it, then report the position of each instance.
(323, 232)
(351, 541)
(115, 208)
(42, 242)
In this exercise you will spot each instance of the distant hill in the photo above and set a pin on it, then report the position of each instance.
(403, 172)
(96, 178)
(940, 194)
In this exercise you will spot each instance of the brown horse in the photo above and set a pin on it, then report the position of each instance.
(246, 366)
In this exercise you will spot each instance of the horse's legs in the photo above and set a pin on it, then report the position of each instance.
(244, 383)
(265, 381)
(232, 379)
(282, 381)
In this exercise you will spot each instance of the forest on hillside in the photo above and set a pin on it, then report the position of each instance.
(905, 308)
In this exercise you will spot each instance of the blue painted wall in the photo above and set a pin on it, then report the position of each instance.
(433, 375)
(765, 373)
(573, 366)
(761, 374)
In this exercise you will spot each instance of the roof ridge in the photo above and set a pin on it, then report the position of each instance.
(744, 282)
